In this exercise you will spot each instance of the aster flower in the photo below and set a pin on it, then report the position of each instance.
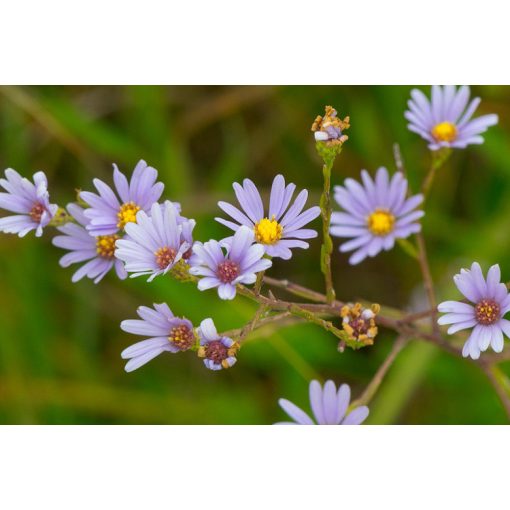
(155, 243)
(329, 407)
(165, 331)
(446, 121)
(218, 351)
(242, 261)
(490, 302)
(281, 229)
(329, 128)
(359, 323)
(106, 214)
(30, 202)
(97, 251)
(376, 214)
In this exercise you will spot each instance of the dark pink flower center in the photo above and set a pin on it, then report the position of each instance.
(216, 351)
(164, 257)
(182, 337)
(37, 211)
(227, 271)
(487, 312)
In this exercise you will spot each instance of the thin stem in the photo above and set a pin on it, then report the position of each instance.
(427, 279)
(327, 243)
(296, 289)
(258, 283)
(500, 382)
(376, 381)
(439, 158)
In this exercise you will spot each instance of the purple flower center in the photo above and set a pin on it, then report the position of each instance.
(37, 211)
(487, 312)
(182, 337)
(359, 326)
(227, 271)
(164, 257)
(187, 254)
(105, 246)
(216, 351)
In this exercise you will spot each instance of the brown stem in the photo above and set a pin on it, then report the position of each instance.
(376, 381)
(495, 377)
(427, 279)
(296, 289)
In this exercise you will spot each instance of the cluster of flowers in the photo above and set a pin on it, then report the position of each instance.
(128, 228)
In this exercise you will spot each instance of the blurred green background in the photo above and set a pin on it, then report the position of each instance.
(60, 343)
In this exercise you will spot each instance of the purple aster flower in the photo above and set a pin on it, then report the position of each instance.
(165, 332)
(218, 351)
(329, 407)
(446, 121)
(98, 251)
(376, 214)
(239, 265)
(106, 214)
(29, 201)
(155, 242)
(281, 229)
(491, 301)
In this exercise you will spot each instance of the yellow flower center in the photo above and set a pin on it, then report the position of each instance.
(105, 246)
(444, 132)
(127, 214)
(381, 222)
(268, 231)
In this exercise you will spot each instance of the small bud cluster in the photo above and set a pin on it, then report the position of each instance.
(359, 322)
(329, 128)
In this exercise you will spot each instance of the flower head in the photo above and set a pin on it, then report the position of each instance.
(166, 332)
(239, 264)
(154, 243)
(446, 121)
(30, 202)
(377, 213)
(97, 251)
(359, 322)
(329, 128)
(218, 351)
(279, 230)
(490, 302)
(107, 214)
(329, 407)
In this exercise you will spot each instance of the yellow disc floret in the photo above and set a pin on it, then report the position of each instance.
(444, 132)
(127, 214)
(105, 246)
(268, 231)
(381, 222)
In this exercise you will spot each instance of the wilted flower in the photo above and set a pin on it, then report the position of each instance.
(155, 243)
(281, 229)
(359, 323)
(491, 301)
(376, 214)
(239, 265)
(218, 351)
(106, 214)
(329, 128)
(98, 251)
(446, 120)
(29, 201)
(168, 333)
(329, 407)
